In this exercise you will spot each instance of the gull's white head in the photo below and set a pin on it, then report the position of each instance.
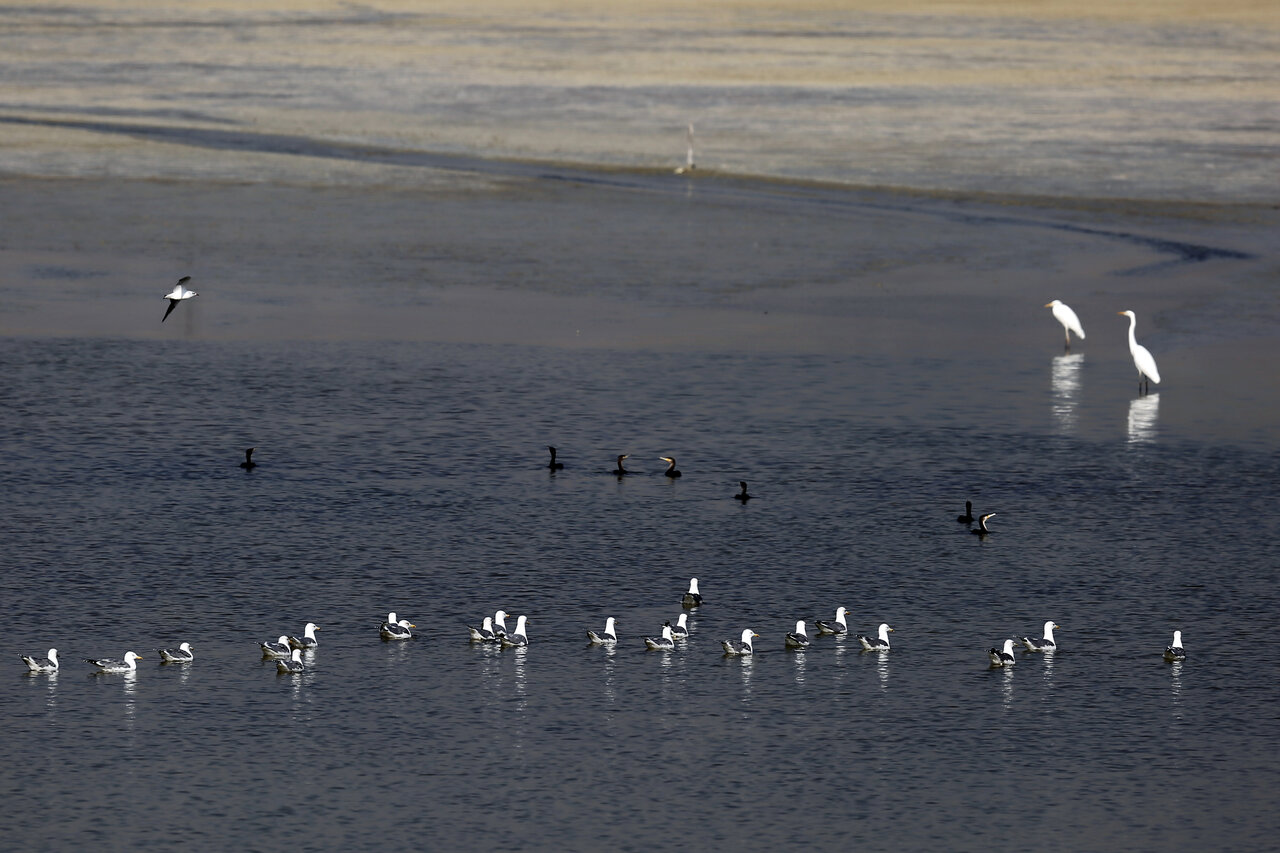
(608, 625)
(130, 657)
(284, 640)
(500, 618)
(684, 617)
(800, 627)
(884, 631)
(391, 618)
(666, 633)
(310, 630)
(53, 655)
(186, 647)
(488, 624)
(405, 623)
(1008, 647)
(840, 612)
(1177, 642)
(297, 655)
(520, 624)
(693, 586)
(1048, 629)
(747, 634)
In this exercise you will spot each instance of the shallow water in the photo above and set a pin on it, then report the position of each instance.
(1172, 107)
(410, 477)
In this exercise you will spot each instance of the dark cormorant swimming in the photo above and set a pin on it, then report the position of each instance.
(671, 466)
(553, 464)
(248, 464)
(620, 470)
(982, 525)
(967, 518)
(742, 495)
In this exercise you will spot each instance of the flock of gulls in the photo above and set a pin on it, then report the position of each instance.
(287, 650)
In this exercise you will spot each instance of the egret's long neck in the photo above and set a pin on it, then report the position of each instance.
(1133, 341)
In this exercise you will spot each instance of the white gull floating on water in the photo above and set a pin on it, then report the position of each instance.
(396, 629)
(692, 598)
(665, 643)
(608, 636)
(518, 637)
(307, 640)
(1045, 643)
(483, 634)
(500, 624)
(47, 664)
(798, 639)
(680, 630)
(113, 665)
(277, 649)
(740, 647)
(182, 654)
(1002, 658)
(879, 643)
(292, 665)
(837, 627)
(1174, 652)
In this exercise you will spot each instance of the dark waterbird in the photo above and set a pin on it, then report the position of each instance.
(982, 525)
(671, 466)
(620, 471)
(248, 464)
(967, 518)
(742, 495)
(553, 464)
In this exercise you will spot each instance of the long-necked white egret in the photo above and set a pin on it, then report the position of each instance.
(1141, 356)
(1070, 322)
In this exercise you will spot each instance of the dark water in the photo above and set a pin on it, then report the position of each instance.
(409, 477)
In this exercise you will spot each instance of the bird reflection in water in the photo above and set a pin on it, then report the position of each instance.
(882, 669)
(1175, 689)
(1006, 686)
(745, 663)
(797, 660)
(1065, 384)
(1144, 412)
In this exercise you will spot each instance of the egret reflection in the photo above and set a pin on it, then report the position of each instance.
(1065, 383)
(1144, 412)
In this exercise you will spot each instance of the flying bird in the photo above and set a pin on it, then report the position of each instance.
(180, 292)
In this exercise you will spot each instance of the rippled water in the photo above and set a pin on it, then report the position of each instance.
(411, 477)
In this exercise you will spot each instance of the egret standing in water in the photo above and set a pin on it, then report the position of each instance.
(179, 293)
(688, 163)
(1141, 356)
(1070, 322)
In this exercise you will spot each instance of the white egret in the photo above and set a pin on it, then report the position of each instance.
(1141, 356)
(688, 164)
(1070, 322)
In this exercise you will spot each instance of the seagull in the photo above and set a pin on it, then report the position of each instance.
(877, 644)
(688, 163)
(692, 598)
(182, 654)
(553, 464)
(671, 467)
(740, 647)
(836, 627)
(49, 664)
(248, 464)
(396, 629)
(742, 495)
(967, 518)
(680, 630)
(500, 624)
(1142, 358)
(798, 639)
(278, 649)
(518, 636)
(113, 665)
(1003, 658)
(1045, 643)
(1175, 652)
(308, 639)
(291, 666)
(609, 636)
(485, 633)
(620, 470)
(665, 643)
(179, 293)
(982, 525)
(1070, 322)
